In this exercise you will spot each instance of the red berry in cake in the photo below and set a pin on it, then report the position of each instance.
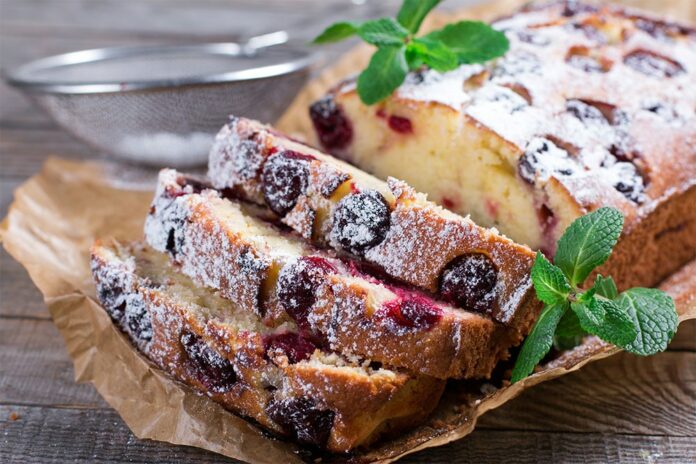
(400, 124)
(361, 221)
(586, 63)
(296, 347)
(302, 419)
(515, 64)
(297, 286)
(628, 181)
(652, 64)
(334, 129)
(138, 320)
(533, 38)
(413, 312)
(573, 7)
(111, 297)
(212, 370)
(542, 158)
(285, 177)
(585, 112)
(469, 281)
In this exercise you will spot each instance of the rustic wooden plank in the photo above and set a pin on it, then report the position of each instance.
(23, 151)
(49, 435)
(622, 394)
(685, 339)
(497, 446)
(35, 367)
(56, 435)
(19, 298)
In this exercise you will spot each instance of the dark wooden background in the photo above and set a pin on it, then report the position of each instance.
(623, 409)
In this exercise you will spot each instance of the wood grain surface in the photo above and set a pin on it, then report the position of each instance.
(623, 409)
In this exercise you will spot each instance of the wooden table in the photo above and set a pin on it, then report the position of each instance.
(623, 409)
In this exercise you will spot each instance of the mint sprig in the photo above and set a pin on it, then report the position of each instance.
(639, 320)
(399, 50)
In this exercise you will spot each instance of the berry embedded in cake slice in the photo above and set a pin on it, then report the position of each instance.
(275, 376)
(385, 224)
(333, 300)
(592, 106)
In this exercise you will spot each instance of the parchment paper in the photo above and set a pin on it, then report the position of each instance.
(58, 213)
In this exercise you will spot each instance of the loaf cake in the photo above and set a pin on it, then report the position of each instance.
(276, 377)
(592, 106)
(385, 224)
(337, 301)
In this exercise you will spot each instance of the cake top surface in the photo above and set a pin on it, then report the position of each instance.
(601, 98)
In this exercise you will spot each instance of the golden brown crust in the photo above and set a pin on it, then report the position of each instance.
(363, 403)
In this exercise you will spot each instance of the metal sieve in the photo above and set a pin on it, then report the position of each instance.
(162, 105)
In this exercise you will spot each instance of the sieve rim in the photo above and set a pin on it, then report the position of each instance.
(20, 77)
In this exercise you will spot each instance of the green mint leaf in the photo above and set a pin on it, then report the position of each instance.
(606, 287)
(616, 328)
(569, 333)
(569, 326)
(385, 73)
(590, 316)
(434, 54)
(337, 32)
(587, 296)
(587, 243)
(413, 12)
(539, 341)
(383, 31)
(549, 282)
(654, 317)
(414, 59)
(472, 41)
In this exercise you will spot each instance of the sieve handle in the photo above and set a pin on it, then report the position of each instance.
(264, 41)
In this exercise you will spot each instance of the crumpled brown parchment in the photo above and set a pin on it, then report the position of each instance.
(58, 213)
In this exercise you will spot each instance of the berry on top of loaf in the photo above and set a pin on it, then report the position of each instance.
(592, 106)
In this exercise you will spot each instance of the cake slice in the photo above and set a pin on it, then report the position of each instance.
(277, 377)
(339, 302)
(387, 225)
(592, 106)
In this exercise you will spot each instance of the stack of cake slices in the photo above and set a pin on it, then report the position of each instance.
(326, 305)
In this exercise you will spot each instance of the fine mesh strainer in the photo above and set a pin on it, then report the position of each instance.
(162, 105)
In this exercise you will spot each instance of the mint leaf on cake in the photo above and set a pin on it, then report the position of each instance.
(587, 243)
(472, 41)
(639, 320)
(549, 282)
(386, 71)
(399, 50)
(337, 32)
(539, 340)
(383, 31)
(654, 316)
(413, 12)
